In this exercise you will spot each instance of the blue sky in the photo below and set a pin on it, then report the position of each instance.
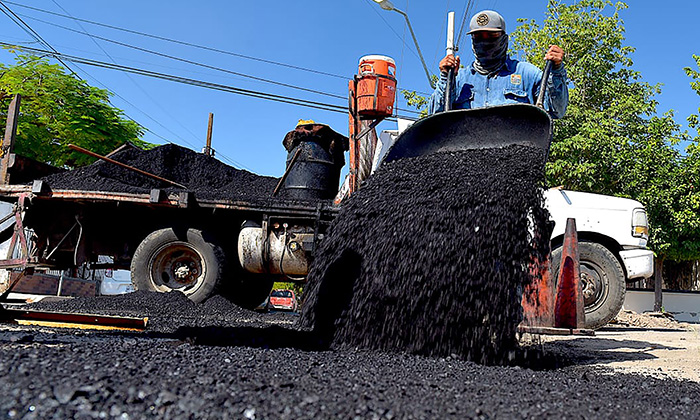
(323, 36)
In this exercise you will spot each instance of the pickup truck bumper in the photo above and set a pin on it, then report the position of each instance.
(639, 263)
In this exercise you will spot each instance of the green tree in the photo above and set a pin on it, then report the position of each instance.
(58, 109)
(612, 140)
(690, 175)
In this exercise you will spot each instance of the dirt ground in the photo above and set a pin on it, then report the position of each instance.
(648, 344)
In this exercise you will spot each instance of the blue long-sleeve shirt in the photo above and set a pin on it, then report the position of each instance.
(517, 81)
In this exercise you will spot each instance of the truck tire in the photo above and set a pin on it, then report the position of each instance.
(183, 260)
(602, 282)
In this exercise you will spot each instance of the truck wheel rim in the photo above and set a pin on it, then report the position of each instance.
(177, 266)
(593, 285)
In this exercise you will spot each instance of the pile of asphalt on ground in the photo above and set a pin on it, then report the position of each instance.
(51, 374)
(431, 256)
(206, 176)
(166, 312)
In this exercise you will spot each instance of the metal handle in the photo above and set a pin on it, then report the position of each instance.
(123, 165)
(450, 48)
(448, 89)
(543, 84)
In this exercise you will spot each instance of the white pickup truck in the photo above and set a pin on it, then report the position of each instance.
(612, 234)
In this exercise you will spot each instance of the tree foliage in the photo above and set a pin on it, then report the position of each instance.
(612, 140)
(58, 109)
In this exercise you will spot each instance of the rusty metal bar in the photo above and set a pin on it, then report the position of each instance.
(354, 129)
(210, 126)
(124, 165)
(18, 234)
(81, 195)
(14, 263)
(72, 320)
(172, 200)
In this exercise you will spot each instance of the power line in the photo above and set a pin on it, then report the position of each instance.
(140, 88)
(17, 20)
(42, 41)
(184, 60)
(189, 44)
(22, 24)
(194, 82)
(117, 28)
(467, 7)
(201, 64)
(92, 36)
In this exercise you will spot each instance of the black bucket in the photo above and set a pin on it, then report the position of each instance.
(313, 174)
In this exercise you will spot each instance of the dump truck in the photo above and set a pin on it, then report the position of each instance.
(173, 238)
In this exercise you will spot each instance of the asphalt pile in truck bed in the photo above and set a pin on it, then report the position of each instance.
(206, 176)
(431, 255)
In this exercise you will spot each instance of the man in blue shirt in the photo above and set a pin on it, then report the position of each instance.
(493, 78)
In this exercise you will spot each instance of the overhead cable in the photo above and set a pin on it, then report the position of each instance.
(184, 60)
(467, 8)
(189, 44)
(177, 121)
(117, 28)
(194, 82)
(22, 24)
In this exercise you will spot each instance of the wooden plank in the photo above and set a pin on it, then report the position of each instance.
(8, 141)
(73, 320)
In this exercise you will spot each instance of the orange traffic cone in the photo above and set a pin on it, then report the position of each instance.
(568, 309)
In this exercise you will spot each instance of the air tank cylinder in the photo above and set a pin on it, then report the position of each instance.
(281, 251)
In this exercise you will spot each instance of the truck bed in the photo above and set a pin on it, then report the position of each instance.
(39, 191)
(75, 226)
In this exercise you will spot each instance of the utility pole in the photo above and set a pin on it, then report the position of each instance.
(8, 142)
(208, 150)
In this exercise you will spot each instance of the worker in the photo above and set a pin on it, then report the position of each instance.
(493, 78)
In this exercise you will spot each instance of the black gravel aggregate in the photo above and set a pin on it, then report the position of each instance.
(206, 176)
(166, 312)
(47, 374)
(216, 360)
(431, 255)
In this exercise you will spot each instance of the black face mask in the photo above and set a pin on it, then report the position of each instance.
(490, 53)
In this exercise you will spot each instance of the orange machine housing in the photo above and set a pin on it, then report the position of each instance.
(376, 86)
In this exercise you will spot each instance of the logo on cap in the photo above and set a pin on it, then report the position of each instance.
(482, 19)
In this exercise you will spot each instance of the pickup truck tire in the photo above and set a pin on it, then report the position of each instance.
(602, 281)
(184, 260)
